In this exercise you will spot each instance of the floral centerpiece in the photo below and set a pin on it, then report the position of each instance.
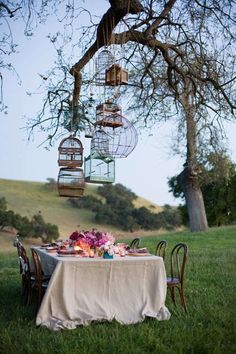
(86, 240)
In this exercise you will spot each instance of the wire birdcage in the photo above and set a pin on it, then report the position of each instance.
(104, 60)
(116, 143)
(70, 152)
(99, 169)
(70, 182)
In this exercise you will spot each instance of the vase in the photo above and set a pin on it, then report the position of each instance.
(106, 255)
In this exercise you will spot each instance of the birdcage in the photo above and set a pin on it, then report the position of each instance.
(116, 75)
(109, 114)
(70, 152)
(100, 143)
(99, 169)
(70, 182)
(104, 60)
(88, 130)
(115, 143)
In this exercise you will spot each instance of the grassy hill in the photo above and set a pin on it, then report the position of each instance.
(28, 198)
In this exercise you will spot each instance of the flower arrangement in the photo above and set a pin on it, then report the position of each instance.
(109, 248)
(92, 239)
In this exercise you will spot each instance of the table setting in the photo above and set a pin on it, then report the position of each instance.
(93, 278)
(92, 244)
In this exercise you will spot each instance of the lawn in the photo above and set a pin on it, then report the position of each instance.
(209, 326)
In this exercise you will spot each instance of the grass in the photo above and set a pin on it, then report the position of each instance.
(208, 328)
(28, 198)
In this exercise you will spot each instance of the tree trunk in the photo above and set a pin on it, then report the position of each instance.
(189, 177)
(194, 201)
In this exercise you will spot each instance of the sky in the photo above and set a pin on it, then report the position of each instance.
(144, 171)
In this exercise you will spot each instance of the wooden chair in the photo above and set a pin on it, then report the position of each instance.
(135, 243)
(26, 274)
(179, 256)
(41, 282)
(161, 249)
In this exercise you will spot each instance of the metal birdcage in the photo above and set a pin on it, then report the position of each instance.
(88, 130)
(104, 60)
(116, 143)
(116, 75)
(70, 152)
(70, 182)
(109, 114)
(99, 169)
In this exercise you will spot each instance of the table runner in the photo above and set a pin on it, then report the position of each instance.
(82, 290)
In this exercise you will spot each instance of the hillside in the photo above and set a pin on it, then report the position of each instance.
(28, 198)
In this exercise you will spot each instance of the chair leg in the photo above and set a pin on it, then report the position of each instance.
(172, 293)
(182, 298)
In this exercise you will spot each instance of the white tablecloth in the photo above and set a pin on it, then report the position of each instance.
(82, 290)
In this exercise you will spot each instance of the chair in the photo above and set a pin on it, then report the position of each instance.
(26, 274)
(41, 282)
(179, 256)
(161, 249)
(135, 243)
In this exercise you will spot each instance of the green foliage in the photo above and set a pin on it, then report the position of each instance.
(46, 231)
(109, 190)
(219, 192)
(88, 202)
(36, 227)
(118, 210)
(51, 184)
(3, 204)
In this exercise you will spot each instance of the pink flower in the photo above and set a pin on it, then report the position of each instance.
(93, 238)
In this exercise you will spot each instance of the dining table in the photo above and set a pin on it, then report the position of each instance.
(82, 290)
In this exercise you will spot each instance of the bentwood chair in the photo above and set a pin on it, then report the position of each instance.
(26, 275)
(161, 249)
(41, 282)
(135, 243)
(179, 256)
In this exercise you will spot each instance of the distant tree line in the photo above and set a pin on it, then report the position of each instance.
(115, 207)
(36, 227)
(218, 188)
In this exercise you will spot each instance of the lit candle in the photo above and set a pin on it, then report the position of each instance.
(91, 253)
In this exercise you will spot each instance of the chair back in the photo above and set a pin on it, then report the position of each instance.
(179, 256)
(24, 263)
(135, 243)
(17, 243)
(38, 269)
(161, 249)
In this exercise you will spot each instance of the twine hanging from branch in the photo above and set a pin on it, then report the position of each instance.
(118, 10)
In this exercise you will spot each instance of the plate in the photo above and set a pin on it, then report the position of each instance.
(45, 245)
(67, 255)
(138, 254)
(52, 249)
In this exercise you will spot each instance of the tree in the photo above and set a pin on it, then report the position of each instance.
(181, 57)
(219, 186)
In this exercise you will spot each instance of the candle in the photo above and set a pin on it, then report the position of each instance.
(91, 253)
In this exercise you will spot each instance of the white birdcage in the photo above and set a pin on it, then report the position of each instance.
(116, 143)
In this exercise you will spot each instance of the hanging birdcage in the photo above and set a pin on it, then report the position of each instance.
(104, 60)
(109, 114)
(70, 152)
(70, 182)
(88, 130)
(99, 169)
(100, 143)
(116, 143)
(116, 75)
